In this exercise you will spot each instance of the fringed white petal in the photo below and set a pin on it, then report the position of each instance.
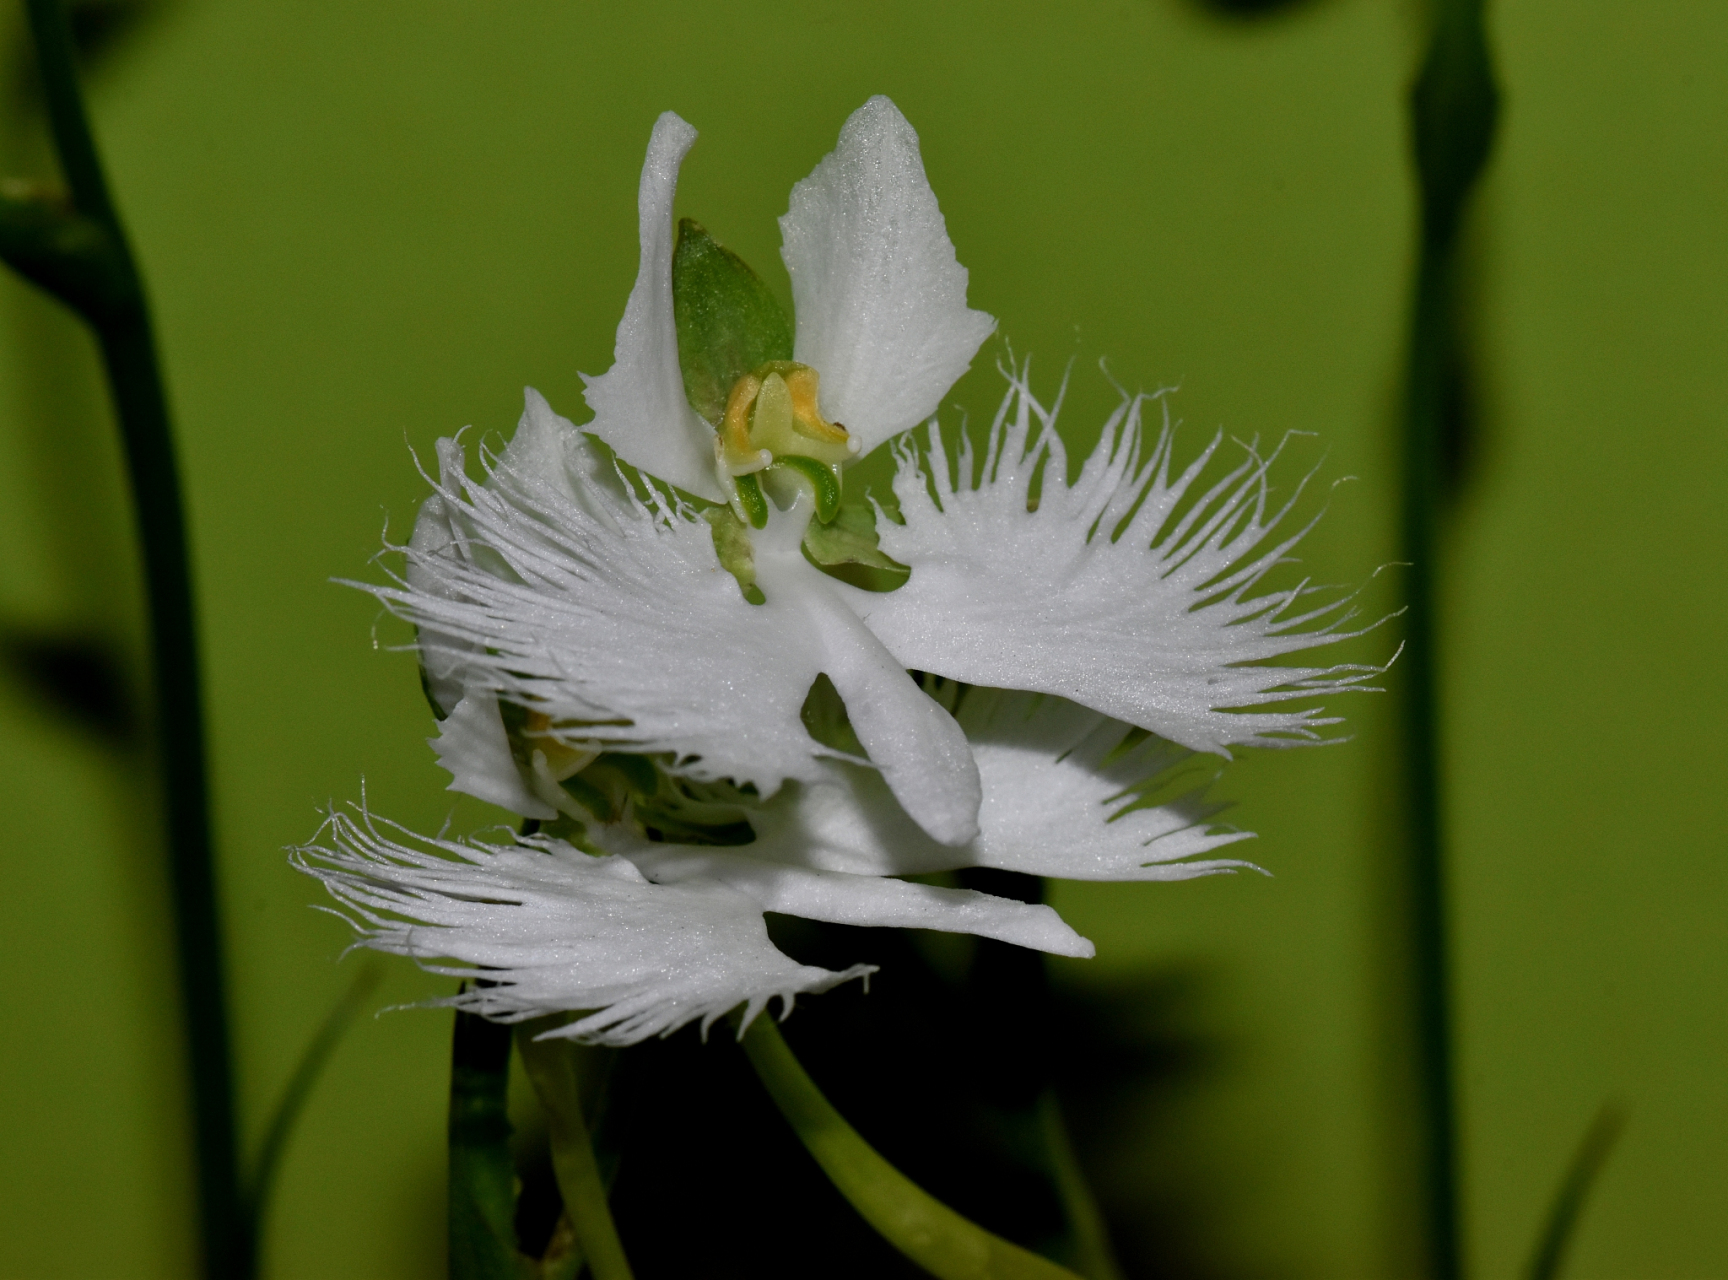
(639, 404)
(1113, 592)
(1064, 796)
(843, 898)
(880, 298)
(549, 929)
(471, 744)
(608, 611)
(919, 749)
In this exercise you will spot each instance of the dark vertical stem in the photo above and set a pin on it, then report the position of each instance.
(1453, 103)
(135, 382)
(481, 1187)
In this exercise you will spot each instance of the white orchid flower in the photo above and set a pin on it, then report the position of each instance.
(1110, 629)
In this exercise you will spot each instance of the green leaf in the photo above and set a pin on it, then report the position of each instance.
(927, 1231)
(728, 321)
(847, 548)
(482, 1186)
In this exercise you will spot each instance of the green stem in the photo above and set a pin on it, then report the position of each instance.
(128, 352)
(295, 1095)
(551, 1067)
(481, 1187)
(1092, 1252)
(1581, 1175)
(909, 1218)
(1454, 105)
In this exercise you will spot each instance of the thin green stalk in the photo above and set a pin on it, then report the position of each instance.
(1454, 104)
(927, 1231)
(105, 286)
(551, 1067)
(295, 1095)
(1581, 1175)
(1093, 1255)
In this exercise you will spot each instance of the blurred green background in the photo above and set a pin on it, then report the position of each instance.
(367, 225)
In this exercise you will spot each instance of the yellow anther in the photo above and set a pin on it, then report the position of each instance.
(735, 450)
(786, 419)
(772, 414)
(807, 420)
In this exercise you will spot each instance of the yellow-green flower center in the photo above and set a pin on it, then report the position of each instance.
(774, 429)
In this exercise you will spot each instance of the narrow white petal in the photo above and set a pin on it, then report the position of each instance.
(880, 297)
(472, 746)
(1059, 797)
(919, 749)
(550, 929)
(1110, 593)
(843, 898)
(568, 592)
(639, 404)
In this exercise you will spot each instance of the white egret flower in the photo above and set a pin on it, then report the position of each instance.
(1085, 642)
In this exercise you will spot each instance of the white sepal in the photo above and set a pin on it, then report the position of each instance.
(880, 298)
(639, 404)
(1111, 592)
(472, 745)
(549, 929)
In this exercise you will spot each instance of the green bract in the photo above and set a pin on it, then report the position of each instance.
(728, 322)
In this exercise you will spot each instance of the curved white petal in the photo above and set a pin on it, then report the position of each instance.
(639, 404)
(920, 750)
(880, 298)
(472, 746)
(1110, 593)
(1059, 789)
(551, 930)
(568, 592)
(843, 898)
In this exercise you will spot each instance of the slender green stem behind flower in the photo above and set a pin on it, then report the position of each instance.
(77, 250)
(921, 1227)
(1454, 103)
(551, 1067)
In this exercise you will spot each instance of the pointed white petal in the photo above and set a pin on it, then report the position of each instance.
(551, 930)
(921, 752)
(880, 298)
(1058, 797)
(639, 404)
(1110, 593)
(472, 746)
(842, 898)
(572, 594)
